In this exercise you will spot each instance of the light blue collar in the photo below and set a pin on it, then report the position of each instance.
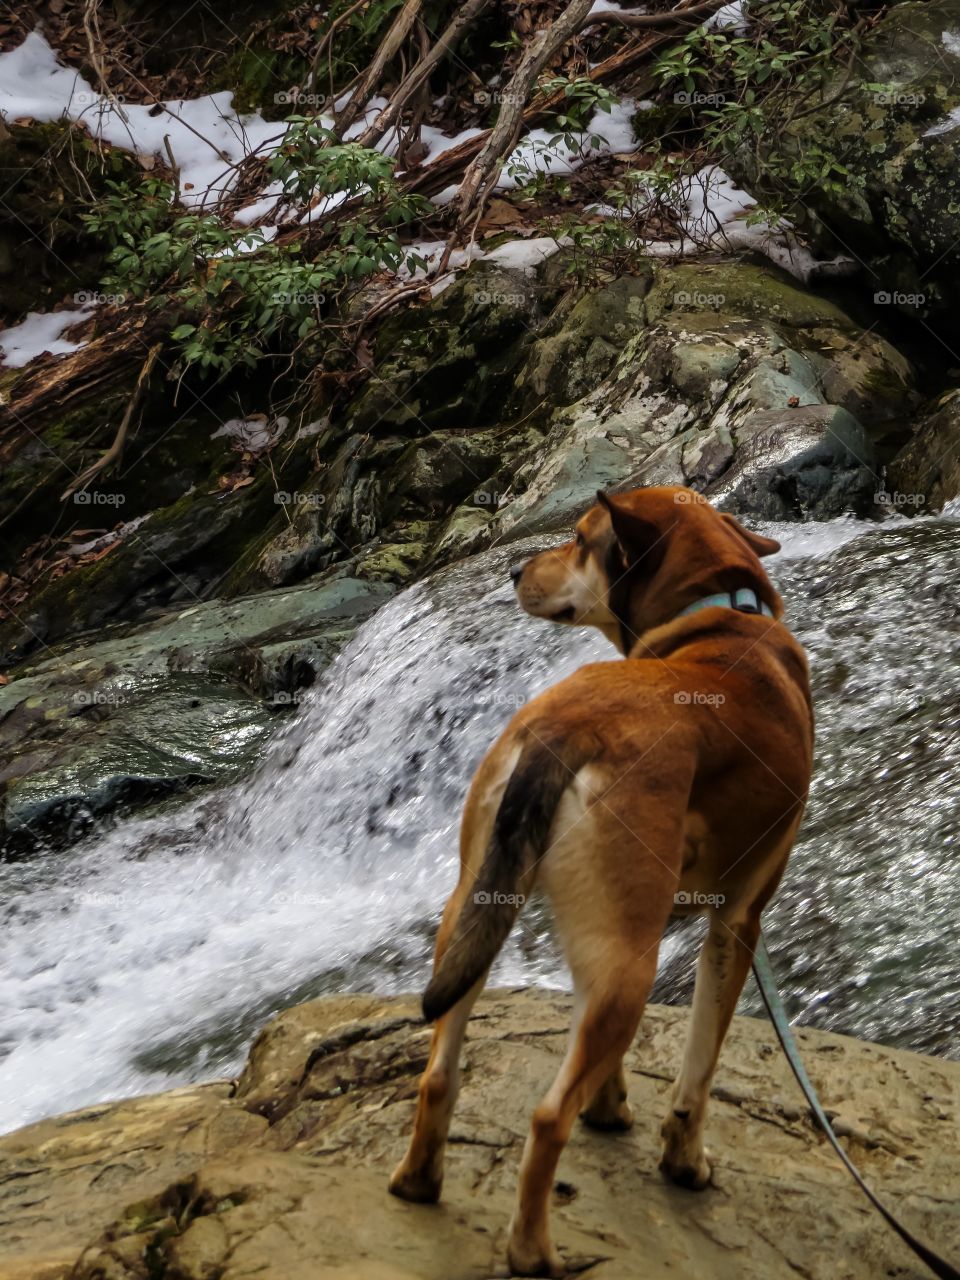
(745, 600)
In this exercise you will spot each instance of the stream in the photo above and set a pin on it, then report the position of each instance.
(149, 955)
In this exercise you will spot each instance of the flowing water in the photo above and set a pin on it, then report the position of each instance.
(151, 954)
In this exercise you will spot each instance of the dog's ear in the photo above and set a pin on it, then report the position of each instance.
(640, 541)
(757, 543)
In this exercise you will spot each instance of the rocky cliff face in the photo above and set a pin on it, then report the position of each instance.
(282, 1173)
(493, 412)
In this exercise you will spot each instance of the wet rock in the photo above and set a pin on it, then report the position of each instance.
(926, 472)
(183, 700)
(285, 1174)
(793, 463)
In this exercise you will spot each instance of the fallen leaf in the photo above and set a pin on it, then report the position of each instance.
(499, 213)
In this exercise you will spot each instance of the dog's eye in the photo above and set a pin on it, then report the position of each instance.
(578, 540)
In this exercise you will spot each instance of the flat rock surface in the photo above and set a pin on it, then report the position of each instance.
(283, 1172)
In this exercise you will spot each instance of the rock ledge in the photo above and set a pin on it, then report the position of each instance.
(283, 1172)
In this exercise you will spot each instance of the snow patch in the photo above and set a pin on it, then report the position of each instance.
(535, 155)
(525, 255)
(40, 332)
(730, 17)
(713, 213)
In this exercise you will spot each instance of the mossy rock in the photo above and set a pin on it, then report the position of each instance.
(580, 346)
(453, 359)
(172, 557)
(694, 295)
(898, 210)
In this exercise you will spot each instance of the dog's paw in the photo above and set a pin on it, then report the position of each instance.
(608, 1119)
(523, 1262)
(418, 1188)
(694, 1175)
(529, 1256)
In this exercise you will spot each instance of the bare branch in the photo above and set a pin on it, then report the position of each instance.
(389, 45)
(418, 74)
(116, 449)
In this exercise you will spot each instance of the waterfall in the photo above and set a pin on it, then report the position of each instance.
(151, 954)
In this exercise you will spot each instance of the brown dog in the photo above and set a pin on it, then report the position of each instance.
(666, 784)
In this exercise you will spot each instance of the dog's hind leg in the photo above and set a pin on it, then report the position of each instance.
(608, 1108)
(724, 963)
(419, 1175)
(607, 1015)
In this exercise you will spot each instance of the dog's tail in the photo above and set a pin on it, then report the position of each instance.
(518, 840)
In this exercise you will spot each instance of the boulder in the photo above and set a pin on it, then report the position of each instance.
(282, 1173)
(790, 462)
(729, 378)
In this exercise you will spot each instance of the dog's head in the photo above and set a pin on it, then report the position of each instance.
(637, 559)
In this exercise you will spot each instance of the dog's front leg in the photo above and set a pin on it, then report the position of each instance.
(724, 962)
(604, 1025)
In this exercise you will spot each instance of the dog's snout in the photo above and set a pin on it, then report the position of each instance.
(516, 572)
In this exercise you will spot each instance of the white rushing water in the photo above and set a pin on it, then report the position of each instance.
(152, 953)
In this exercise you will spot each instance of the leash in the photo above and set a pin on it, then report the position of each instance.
(763, 973)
